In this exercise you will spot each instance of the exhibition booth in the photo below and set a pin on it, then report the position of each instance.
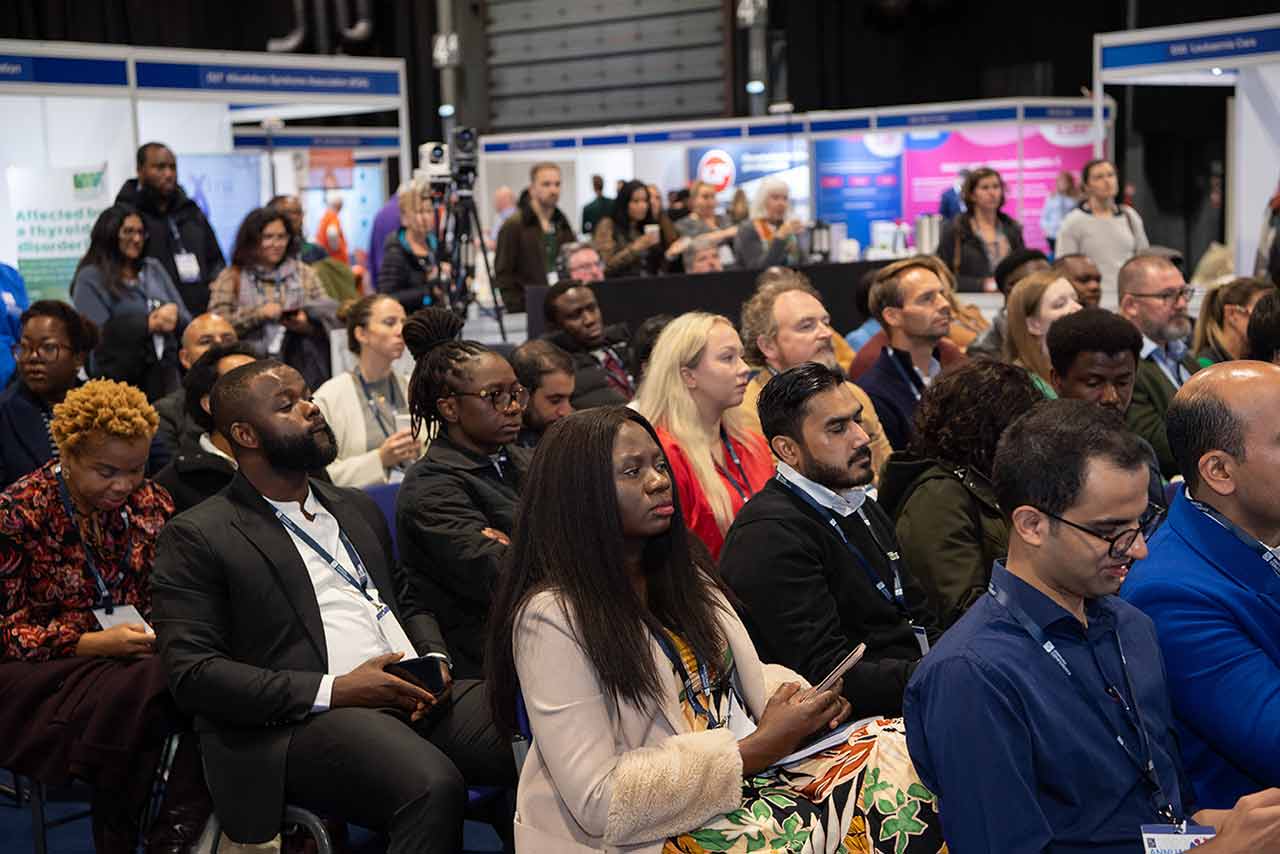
(77, 113)
(1243, 53)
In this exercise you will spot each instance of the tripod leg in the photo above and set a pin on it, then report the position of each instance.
(498, 308)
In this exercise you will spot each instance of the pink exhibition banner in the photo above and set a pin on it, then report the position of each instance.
(934, 158)
(1047, 150)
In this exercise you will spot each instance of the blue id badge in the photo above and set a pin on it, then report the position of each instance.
(1172, 838)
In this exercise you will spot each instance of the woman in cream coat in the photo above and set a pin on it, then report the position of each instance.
(368, 408)
(654, 722)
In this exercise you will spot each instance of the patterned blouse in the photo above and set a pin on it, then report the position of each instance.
(46, 591)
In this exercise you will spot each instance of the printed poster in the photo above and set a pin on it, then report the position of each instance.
(225, 187)
(732, 166)
(859, 181)
(54, 210)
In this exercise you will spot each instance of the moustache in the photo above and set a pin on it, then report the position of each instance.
(862, 456)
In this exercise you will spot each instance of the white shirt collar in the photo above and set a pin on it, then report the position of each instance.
(1148, 347)
(844, 503)
(206, 445)
(312, 506)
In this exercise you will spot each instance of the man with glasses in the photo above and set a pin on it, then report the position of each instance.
(600, 353)
(1154, 297)
(1041, 721)
(580, 262)
(1211, 580)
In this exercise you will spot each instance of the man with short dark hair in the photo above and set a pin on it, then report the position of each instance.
(547, 372)
(1264, 329)
(1083, 275)
(1210, 580)
(1012, 269)
(599, 352)
(580, 262)
(178, 235)
(814, 560)
(596, 209)
(278, 612)
(531, 238)
(1041, 720)
(203, 333)
(1154, 297)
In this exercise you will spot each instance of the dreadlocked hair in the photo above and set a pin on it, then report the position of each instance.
(440, 356)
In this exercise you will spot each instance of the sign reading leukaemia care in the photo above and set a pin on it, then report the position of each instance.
(54, 210)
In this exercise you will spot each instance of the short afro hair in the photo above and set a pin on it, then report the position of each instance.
(103, 408)
(1091, 330)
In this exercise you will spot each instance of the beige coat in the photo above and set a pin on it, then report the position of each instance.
(608, 776)
(342, 401)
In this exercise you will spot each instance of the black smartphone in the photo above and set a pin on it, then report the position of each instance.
(423, 672)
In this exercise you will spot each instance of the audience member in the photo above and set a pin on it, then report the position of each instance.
(291, 207)
(176, 427)
(85, 697)
(579, 262)
(387, 222)
(771, 238)
(642, 342)
(1041, 721)
(1264, 329)
(531, 238)
(52, 347)
(739, 210)
(703, 221)
(1210, 566)
(1084, 276)
(277, 612)
(131, 298)
(204, 466)
(973, 242)
(949, 351)
(703, 256)
(410, 271)
(504, 205)
(939, 490)
(633, 752)
(599, 352)
(329, 233)
(1154, 297)
(909, 299)
(178, 235)
(672, 244)
(368, 407)
(13, 302)
(548, 373)
(785, 324)
(678, 204)
(692, 394)
(337, 278)
(1108, 233)
(1222, 329)
(1015, 267)
(598, 208)
(951, 202)
(1034, 304)
(1062, 201)
(858, 338)
(456, 507)
(273, 300)
(629, 238)
(813, 559)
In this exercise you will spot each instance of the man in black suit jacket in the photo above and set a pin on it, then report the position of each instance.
(276, 638)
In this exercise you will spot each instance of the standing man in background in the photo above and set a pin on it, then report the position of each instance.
(530, 240)
(504, 205)
(596, 209)
(178, 235)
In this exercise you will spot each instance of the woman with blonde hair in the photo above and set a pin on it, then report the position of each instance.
(1222, 328)
(691, 393)
(704, 222)
(770, 238)
(1034, 304)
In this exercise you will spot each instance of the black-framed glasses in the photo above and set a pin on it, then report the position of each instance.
(1120, 544)
(1170, 297)
(501, 398)
(48, 351)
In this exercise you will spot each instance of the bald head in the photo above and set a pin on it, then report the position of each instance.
(1219, 418)
(205, 331)
(504, 198)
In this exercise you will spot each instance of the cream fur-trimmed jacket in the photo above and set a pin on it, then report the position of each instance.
(612, 777)
(342, 402)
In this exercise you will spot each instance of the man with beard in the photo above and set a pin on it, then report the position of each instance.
(600, 353)
(547, 372)
(1154, 298)
(280, 617)
(813, 559)
(530, 239)
(178, 235)
(785, 324)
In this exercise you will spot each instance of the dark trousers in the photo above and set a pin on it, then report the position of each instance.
(410, 781)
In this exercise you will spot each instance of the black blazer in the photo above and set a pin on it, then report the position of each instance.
(24, 440)
(238, 625)
(590, 382)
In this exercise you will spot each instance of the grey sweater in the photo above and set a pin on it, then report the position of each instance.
(153, 289)
(1109, 241)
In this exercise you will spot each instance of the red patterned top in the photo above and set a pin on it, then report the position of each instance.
(46, 591)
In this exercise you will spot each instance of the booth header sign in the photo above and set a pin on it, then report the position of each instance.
(242, 78)
(65, 70)
(1193, 49)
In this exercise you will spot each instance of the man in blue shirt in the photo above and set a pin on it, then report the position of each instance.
(13, 302)
(1212, 581)
(1041, 720)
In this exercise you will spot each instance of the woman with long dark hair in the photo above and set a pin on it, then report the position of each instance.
(133, 300)
(656, 727)
(974, 242)
(624, 239)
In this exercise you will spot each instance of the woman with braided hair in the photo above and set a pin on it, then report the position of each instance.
(456, 507)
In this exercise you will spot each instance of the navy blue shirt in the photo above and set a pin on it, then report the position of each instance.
(1019, 759)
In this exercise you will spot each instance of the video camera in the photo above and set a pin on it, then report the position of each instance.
(443, 166)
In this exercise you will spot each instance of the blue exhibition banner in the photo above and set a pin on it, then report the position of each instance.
(225, 187)
(245, 78)
(859, 181)
(63, 70)
(530, 144)
(242, 140)
(1192, 49)
(733, 166)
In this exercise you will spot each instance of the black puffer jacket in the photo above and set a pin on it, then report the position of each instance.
(591, 386)
(194, 234)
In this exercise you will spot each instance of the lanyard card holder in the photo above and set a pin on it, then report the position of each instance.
(1174, 838)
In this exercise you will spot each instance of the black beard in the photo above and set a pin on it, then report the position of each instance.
(302, 453)
(835, 478)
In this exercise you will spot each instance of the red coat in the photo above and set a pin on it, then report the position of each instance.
(757, 463)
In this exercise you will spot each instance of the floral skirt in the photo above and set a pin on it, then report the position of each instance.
(862, 797)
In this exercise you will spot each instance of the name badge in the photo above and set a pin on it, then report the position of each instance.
(1172, 838)
(188, 267)
(120, 615)
(922, 639)
(553, 277)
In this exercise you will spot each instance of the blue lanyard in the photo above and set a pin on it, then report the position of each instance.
(902, 372)
(373, 407)
(743, 489)
(361, 585)
(704, 677)
(1260, 548)
(1146, 766)
(104, 599)
(896, 597)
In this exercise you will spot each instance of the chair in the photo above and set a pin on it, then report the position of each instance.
(384, 495)
(37, 795)
(306, 819)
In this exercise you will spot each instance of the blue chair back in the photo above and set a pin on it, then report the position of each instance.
(384, 495)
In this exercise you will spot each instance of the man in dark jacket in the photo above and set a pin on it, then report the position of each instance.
(178, 235)
(531, 238)
(814, 560)
(600, 353)
(176, 427)
(596, 209)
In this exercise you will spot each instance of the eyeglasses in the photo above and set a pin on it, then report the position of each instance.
(1121, 543)
(585, 266)
(275, 238)
(500, 399)
(132, 232)
(48, 351)
(1170, 297)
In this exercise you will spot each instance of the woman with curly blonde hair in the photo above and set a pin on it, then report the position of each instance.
(86, 696)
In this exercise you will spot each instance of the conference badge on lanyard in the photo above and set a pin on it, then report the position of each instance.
(1173, 838)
